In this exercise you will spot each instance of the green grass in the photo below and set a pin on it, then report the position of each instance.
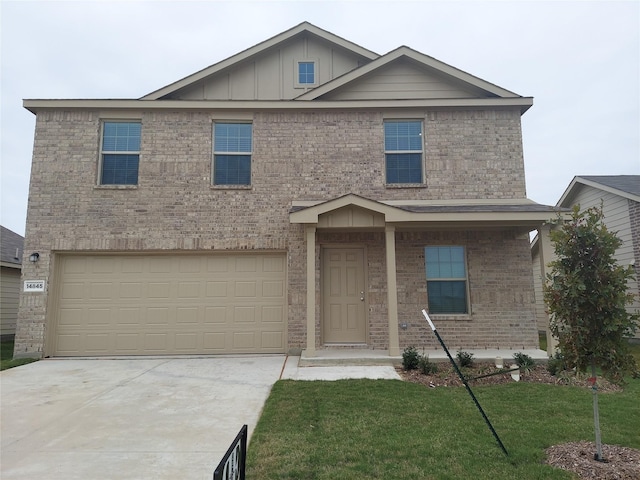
(367, 429)
(6, 357)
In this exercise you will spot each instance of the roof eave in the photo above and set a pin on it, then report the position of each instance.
(35, 105)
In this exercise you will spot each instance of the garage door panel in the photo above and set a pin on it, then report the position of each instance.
(155, 342)
(99, 317)
(245, 289)
(272, 340)
(130, 290)
(189, 290)
(128, 316)
(101, 290)
(127, 343)
(178, 304)
(159, 290)
(187, 315)
(215, 315)
(243, 341)
(72, 290)
(217, 289)
(273, 314)
(97, 344)
(214, 342)
(68, 344)
(71, 317)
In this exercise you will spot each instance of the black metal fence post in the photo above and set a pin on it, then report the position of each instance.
(233, 464)
(464, 381)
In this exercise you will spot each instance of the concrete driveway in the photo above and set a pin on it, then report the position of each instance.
(128, 419)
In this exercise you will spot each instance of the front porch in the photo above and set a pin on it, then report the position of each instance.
(384, 241)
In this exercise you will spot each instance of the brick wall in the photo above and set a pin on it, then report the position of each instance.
(297, 156)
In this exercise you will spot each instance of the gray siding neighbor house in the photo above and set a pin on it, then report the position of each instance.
(619, 196)
(10, 267)
(304, 194)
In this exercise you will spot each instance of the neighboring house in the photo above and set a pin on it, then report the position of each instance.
(10, 264)
(306, 193)
(619, 196)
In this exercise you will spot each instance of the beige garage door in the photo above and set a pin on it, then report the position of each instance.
(176, 304)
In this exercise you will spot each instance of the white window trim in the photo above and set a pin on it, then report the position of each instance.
(214, 152)
(119, 119)
(421, 151)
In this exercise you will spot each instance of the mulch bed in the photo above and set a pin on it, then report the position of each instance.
(621, 463)
(447, 377)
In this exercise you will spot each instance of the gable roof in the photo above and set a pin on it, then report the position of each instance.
(304, 27)
(627, 186)
(483, 87)
(11, 248)
(515, 213)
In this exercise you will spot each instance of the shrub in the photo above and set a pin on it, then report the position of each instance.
(425, 366)
(465, 359)
(410, 358)
(524, 361)
(556, 364)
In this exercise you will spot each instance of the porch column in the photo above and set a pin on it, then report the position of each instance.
(392, 290)
(546, 255)
(310, 232)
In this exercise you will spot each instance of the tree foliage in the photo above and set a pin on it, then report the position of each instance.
(586, 294)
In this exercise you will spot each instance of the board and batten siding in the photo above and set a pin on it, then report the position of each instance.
(272, 76)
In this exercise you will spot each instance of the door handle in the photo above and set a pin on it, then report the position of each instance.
(362, 296)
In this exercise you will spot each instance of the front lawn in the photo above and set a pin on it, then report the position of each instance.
(364, 429)
(6, 357)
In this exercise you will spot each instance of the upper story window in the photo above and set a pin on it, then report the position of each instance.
(232, 146)
(120, 153)
(306, 73)
(403, 151)
(446, 279)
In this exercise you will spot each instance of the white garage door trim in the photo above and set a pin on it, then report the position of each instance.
(170, 304)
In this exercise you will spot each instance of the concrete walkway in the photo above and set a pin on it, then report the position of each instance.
(142, 418)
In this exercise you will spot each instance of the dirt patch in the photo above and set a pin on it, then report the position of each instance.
(621, 463)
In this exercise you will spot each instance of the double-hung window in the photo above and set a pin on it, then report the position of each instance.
(232, 145)
(446, 279)
(403, 151)
(120, 153)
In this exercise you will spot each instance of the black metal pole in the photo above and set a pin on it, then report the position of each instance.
(464, 381)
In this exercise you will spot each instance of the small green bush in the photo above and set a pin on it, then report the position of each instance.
(465, 359)
(524, 361)
(556, 364)
(426, 367)
(410, 358)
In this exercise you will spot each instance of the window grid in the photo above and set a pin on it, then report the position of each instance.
(446, 280)
(120, 153)
(306, 73)
(232, 149)
(403, 151)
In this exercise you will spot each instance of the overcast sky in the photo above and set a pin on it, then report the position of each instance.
(580, 60)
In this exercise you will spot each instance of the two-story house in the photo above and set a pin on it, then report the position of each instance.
(619, 198)
(304, 194)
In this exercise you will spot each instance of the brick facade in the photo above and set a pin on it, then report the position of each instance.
(469, 154)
